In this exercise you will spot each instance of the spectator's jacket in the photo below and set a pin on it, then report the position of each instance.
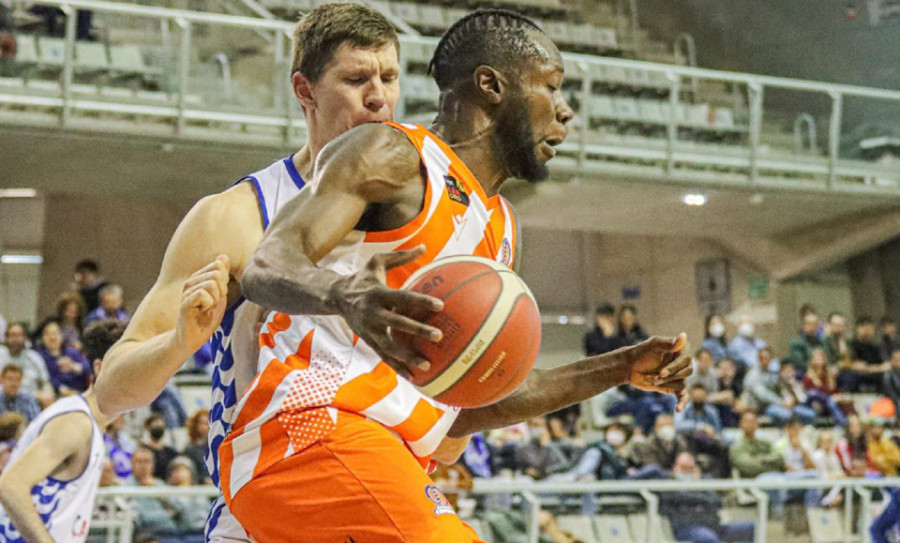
(596, 343)
(888, 344)
(691, 417)
(656, 451)
(709, 380)
(100, 314)
(849, 449)
(686, 509)
(867, 351)
(752, 458)
(759, 389)
(23, 403)
(745, 350)
(884, 455)
(801, 348)
(717, 347)
(34, 369)
(793, 390)
(892, 386)
(635, 336)
(76, 381)
(824, 383)
(886, 528)
(837, 350)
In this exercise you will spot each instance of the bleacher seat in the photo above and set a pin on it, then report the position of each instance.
(128, 59)
(825, 525)
(652, 112)
(601, 107)
(557, 31)
(582, 35)
(451, 15)
(627, 109)
(51, 51)
(91, 55)
(406, 11)
(660, 531)
(723, 119)
(698, 116)
(580, 527)
(421, 89)
(481, 529)
(615, 75)
(431, 16)
(605, 38)
(613, 529)
(26, 49)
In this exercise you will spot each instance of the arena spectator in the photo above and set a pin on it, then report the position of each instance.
(852, 446)
(762, 392)
(108, 475)
(694, 515)
(70, 315)
(2, 330)
(823, 395)
(715, 341)
(602, 338)
(798, 465)
(189, 512)
(35, 379)
(704, 371)
(892, 380)
(12, 424)
(110, 305)
(154, 441)
(889, 340)
(698, 416)
(152, 513)
(793, 396)
(7, 44)
(883, 452)
(643, 406)
(728, 399)
(835, 344)
(827, 462)
(89, 282)
(805, 341)
(119, 447)
(198, 428)
(69, 371)
(169, 405)
(886, 528)
(751, 456)
(745, 346)
(663, 446)
(13, 399)
(867, 371)
(533, 458)
(629, 331)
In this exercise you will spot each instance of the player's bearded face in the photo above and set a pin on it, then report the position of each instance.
(514, 140)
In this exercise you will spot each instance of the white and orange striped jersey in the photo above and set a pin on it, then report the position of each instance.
(313, 369)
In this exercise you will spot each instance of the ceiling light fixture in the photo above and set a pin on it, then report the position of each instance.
(18, 193)
(694, 199)
(21, 259)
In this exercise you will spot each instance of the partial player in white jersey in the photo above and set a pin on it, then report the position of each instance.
(345, 71)
(48, 487)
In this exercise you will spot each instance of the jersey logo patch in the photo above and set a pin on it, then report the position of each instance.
(441, 505)
(505, 252)
(455, 190)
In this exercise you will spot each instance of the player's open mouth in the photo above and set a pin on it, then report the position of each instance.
(549, 145)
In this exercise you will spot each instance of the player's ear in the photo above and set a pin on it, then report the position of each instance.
(303, 91)
(98, 363)
(489, 83)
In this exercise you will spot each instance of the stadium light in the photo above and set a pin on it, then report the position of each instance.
(694, 199)
(18, 193)
(21, 259)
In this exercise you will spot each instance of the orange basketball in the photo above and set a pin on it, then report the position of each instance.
(491, 326)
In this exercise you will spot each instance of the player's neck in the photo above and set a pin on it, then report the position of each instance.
(91, 399)
(304, 160)
(471, 140)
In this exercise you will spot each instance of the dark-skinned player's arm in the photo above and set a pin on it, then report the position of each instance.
(370, 164)
(655, 364)
(61, 439)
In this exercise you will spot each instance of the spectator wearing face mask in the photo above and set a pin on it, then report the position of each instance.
(715, 341)
(745, 346)
(155, 427)
(663, 446)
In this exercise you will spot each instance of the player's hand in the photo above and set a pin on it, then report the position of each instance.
(657, 365)
(372, 310)
(203, 303)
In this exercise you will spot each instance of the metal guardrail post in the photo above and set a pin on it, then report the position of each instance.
(534, 506)
(672, 130)
(633, 16)
(184, 70)
(652, 514)
(762, 526)
(586, 84)
(277, 81)
(756, 114)
(286, 36)
(690, 53)
(808, 121)
(834, 134)
(68, 71)
(848, 513)
(865, 513)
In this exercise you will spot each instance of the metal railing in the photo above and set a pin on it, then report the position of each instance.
(587, 152)
(534, 494)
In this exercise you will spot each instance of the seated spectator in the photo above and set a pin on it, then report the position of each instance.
(762, 392)
(534, 456)
(643, 406)
(566, 448)
(715, 341)
(629, 331)
(752, 457)
(89, 281)
(198, 429)
(889, 341)
(798, 464)
(886, 528)
(852, 446)
(110, 306)
(602, 338)
(827, 462)
(70, 316)
(835, 345)
(12, 424)
(663, 446)
(805, 341)
(728, 399)
(7, 53)
(694, 515)
(820, 383)
(745, 346)
(892, 380)
(154, 441)
(884, 454)
(190, 512)
(168, 404)
(866, 371)
(35, 379)
(698, 416)
(152, 513)
(704, 372)
(108, 475)
(505, 444)
(70, 372)
(13, 399)
(119, 447)
(792, 394)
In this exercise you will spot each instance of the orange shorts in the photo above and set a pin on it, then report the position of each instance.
(359, 484)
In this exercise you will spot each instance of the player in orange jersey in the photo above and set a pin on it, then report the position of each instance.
(328, 439)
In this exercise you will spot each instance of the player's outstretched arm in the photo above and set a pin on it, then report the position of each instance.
(185, 305)
(61, 439)
(656, 365)
(370, 165)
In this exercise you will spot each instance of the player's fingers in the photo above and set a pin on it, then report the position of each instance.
(225, 261)
(411, 303)
(399, 357)
(199, 299)
(681, 374)
(219, 278)
(409, 326)
(671, 368)
(396, 259)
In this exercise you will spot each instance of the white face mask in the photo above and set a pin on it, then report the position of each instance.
(746, 329)
(666, 433)
(615, 438)
(717, 329)
(684, 476)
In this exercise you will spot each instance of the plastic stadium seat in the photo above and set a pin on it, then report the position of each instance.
(724, 118)
(580, 527)
(417, 52)
(51, 51)
(661, 531)
(558, 31)
(605, 38)
(91, 55)
(652, 112)
(407, 12)
(582, 35)
(627, 109)
(421, 88)
(128, 59)
(699, 115)
(480, 528)
(26, 49)
(299, 5)
(601, 107)
(615, 74)
(451, 15)
(639, 78)
(825, 525)
(431, 16)
(574, 69)
(613, 529)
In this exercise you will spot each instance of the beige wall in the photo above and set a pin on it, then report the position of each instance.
(128, 237)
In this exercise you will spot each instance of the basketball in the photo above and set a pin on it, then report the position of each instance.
(491, 326)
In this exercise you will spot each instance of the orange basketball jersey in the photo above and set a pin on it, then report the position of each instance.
(313, 369)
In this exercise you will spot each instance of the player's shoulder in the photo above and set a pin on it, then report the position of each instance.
(373, 144)
(69, 428)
